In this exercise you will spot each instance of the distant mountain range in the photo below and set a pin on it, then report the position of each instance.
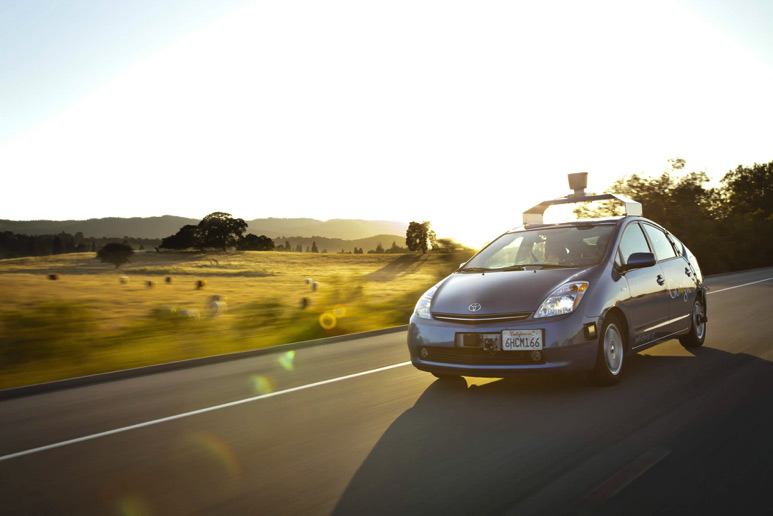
(160, 227)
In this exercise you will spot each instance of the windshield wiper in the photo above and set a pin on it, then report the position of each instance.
(512, 268)
(475, 269)
(552, 266)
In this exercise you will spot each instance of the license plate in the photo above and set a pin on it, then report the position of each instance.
(518, 340)
(479, 340)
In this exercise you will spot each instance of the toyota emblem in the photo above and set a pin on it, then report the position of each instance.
(475, 307)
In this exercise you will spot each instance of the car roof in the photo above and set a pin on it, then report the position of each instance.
(578, 222)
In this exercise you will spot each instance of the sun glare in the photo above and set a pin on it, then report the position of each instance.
(401, 111)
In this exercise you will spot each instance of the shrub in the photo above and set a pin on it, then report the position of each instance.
(46, 330)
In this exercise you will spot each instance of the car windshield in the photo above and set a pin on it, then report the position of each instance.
(565, 246)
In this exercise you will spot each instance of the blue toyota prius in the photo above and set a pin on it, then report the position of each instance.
(573, 296)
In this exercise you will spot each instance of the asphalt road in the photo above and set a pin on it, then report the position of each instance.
(328, 431)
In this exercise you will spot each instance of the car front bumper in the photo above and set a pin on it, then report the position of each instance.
(567, 347)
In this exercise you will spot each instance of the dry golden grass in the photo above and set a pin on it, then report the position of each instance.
(130, 324)
(241, 277)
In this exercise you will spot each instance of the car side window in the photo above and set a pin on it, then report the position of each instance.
(678, 245)
(663, 248)
(633, 241)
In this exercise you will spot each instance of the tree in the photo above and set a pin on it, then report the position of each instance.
(394, 249)
(186, 238)
(677, 163)
(420, 237)
(314, 248)
(683, 206)
(288, 248)
(750, 189)
(252, 242)
(379, 248)
(58, 247)
(219, 229)
(115, 253)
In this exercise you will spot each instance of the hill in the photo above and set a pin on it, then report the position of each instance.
(111, 227)
(160, 227)
(346, 229)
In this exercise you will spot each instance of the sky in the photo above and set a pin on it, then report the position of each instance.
(462, 113)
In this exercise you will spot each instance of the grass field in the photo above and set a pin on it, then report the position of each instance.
(92, 320)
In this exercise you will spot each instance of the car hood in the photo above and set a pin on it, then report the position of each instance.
(499, 292)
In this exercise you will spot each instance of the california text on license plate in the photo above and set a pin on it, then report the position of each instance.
(521, 340)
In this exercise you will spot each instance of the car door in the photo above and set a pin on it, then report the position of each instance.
(678, 280)
(647, 305)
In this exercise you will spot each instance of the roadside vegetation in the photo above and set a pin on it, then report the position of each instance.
(70, 315)
(729, 226)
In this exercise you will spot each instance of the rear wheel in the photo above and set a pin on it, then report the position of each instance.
(611, 352)
(697, 335)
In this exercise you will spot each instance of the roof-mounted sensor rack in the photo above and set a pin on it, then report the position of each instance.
(578, 182)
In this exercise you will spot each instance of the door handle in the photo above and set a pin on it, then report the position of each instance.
(687, 271)
(661, 280)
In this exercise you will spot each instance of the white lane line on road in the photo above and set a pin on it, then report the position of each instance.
(738, 286)
(195, 412)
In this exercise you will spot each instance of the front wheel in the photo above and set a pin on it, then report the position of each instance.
(697, 335)
(611, 352)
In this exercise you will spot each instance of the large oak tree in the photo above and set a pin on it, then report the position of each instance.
(420, 237)
(220, 229)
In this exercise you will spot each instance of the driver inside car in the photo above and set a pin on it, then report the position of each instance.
(555, 252)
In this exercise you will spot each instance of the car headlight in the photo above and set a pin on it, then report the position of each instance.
(563, 300)
(422, 307)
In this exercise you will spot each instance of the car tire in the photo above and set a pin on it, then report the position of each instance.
(610, 357)
(697, 334)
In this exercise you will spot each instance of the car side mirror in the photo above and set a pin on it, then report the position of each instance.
(639, 261)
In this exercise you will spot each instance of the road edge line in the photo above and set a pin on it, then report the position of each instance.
(196, 412)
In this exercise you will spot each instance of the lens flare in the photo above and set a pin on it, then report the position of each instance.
(261, 384)
(339, 311)
(327, 321)
(218, 452)
(132, 505)
(286, 360)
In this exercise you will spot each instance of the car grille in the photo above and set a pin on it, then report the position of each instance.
(481, 319)
(477, 356)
